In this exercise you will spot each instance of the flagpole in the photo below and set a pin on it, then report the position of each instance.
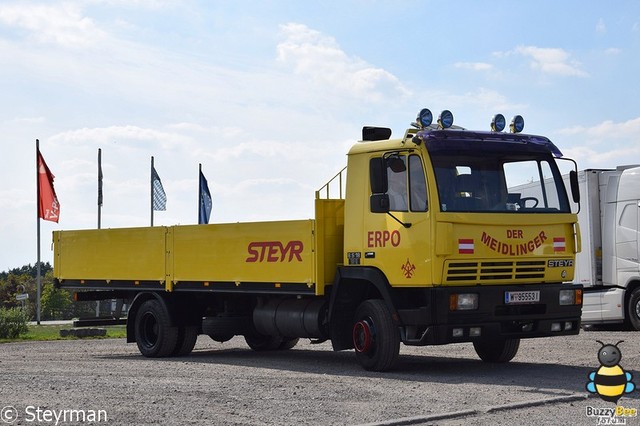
(151, 185)
(99, 187)
(38, 272)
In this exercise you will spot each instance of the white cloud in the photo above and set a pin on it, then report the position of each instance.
(553, 61)
(601, 28)
(113, 134)
(319, 57)
(144, 4)
(474, 66)
(607, 144)
(62, 24)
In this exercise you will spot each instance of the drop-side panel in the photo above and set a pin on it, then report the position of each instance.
(110, 254)
(234, 255)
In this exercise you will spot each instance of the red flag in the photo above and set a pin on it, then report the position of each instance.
(48, 206)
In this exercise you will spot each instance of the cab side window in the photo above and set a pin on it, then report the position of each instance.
(417, 185)
(397, 190)
(407, 187)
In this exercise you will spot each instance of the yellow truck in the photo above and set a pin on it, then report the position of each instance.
(422, 244)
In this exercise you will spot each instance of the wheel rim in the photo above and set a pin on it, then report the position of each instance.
(149, 329)
(638, 309)
(363, 336)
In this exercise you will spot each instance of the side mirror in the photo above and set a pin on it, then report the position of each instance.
(575, 188)
(378, 175)
(396, 164)
(379, 203)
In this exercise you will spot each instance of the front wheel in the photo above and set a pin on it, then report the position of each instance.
(376, 339)
(633, 309)
(497, 350)
(154, 335)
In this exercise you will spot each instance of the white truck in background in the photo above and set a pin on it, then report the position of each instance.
(608, 266)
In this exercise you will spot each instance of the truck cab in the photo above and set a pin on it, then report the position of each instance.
(455, 254)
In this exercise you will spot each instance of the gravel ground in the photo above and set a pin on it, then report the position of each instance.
(228, 384)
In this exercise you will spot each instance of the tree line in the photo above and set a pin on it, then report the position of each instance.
(56, 304)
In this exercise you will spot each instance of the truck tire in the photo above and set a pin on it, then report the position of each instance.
(260, 342)
(222, 329)
(187, 336)
(154, 335)
(288, 344)
(497, 350)
(633, 309)
(375, 337)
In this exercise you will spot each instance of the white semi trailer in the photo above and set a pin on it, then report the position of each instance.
(608, 265)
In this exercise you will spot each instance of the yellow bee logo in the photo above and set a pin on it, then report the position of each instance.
(610, 381)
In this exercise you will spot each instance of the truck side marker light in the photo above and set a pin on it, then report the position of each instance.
(206, 283)
(81, 281)
(237, 283)
(136, 282)
(277, 285)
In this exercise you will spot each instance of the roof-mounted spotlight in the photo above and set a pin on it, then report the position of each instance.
(497, 123)
(425, 118)
(517, 124)
(445, 119)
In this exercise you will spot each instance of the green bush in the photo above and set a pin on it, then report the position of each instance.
(13, 323)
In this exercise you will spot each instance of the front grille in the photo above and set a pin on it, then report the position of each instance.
(495, 271)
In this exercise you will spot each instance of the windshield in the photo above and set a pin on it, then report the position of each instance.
(498, 182)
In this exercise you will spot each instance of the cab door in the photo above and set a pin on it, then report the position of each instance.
(397, 237)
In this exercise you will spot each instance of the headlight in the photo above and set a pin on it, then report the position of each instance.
(570, 297)
(463, 302)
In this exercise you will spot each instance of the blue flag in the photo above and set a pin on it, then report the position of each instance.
(204, 209)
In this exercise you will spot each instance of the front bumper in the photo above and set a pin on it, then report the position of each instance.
(436, 324)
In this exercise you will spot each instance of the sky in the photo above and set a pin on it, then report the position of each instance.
(269, 95)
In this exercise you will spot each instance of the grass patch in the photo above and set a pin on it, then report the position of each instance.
(52, 332)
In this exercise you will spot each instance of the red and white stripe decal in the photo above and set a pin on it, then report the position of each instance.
(465, 246)
(559, 244)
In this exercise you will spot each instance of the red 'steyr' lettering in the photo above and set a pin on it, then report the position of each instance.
(274, 251)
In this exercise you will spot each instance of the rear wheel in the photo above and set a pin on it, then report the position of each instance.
(633, 309)
(154, 335)
(497, 350)
(187, 336)
(223, 328)
(260, 342)
(288, 344)
(376, 339)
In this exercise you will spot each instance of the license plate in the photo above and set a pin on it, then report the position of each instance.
(513, 297)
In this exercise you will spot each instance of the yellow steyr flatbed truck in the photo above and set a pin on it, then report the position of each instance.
(424, 246)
